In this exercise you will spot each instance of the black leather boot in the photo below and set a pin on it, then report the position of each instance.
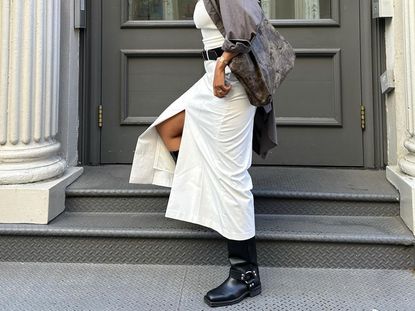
(175, 154)
(242, 281)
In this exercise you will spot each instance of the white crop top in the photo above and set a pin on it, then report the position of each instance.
(212, 37)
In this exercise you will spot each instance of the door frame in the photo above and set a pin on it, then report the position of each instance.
(372, 65)
(89, 139)
(372, 55)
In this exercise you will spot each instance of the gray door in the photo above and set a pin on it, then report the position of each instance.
(151, 55)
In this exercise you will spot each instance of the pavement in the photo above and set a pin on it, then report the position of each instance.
(96, 286)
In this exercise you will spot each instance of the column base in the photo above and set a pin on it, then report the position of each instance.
(406, 187)
(34, 171)
(36, 203)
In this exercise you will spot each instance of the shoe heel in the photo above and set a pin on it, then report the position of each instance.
(255, 291)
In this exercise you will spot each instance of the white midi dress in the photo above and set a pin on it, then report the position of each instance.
(210, 183)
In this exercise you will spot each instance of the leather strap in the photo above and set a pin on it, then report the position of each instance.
(212, 54)
(248, 276)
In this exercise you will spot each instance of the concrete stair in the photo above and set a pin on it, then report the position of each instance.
(328, 239)
(305, 217)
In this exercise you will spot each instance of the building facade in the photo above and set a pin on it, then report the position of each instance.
(80, 80)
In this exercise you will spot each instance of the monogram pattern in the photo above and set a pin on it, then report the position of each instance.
(270, 56)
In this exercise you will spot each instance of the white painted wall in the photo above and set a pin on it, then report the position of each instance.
(395, 101)
(400, 106)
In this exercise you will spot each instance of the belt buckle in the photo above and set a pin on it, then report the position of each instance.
(214, 54)
(210, 54)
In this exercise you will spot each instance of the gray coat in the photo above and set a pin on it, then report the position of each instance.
(238, 19)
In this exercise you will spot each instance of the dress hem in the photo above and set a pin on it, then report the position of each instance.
(209, 224)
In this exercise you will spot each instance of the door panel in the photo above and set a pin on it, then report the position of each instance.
(151, 55)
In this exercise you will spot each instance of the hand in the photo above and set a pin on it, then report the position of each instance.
(220, 89)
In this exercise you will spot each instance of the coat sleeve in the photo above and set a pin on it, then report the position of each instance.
(240, 19)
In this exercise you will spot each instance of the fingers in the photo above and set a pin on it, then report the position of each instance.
(222, 90)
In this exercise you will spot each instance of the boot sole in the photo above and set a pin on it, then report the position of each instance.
(253, 292)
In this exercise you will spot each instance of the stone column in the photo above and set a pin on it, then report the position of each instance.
(29, 91)
(407, 163)
(401, 170)
(29, 103)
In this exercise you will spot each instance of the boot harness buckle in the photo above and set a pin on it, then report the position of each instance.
(249, 281)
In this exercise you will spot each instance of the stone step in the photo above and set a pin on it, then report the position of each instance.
(107, 201)
(378, 242)
(277, 190)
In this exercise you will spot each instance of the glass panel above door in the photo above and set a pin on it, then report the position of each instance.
(183, 9)
(297, 9)
(161, 9)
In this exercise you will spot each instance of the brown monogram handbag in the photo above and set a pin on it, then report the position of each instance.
(270, 57)
(262, 70)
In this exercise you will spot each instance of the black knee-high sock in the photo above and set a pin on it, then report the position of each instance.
(174, 154)
(245, 250)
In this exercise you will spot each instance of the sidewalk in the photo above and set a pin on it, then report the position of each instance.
(87, 286)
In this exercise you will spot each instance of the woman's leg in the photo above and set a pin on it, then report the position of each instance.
(171, 130)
